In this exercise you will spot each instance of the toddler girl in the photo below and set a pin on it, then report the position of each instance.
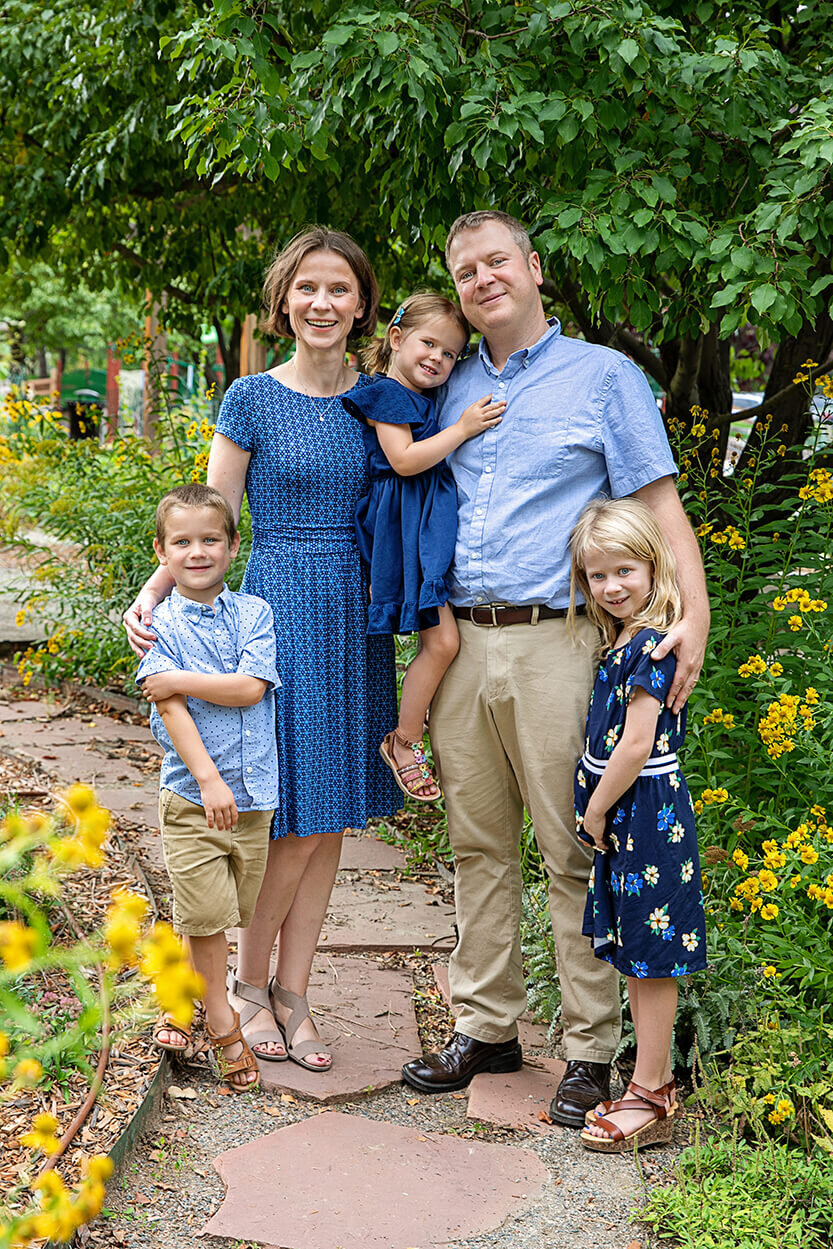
(407, 523)
(644, 910)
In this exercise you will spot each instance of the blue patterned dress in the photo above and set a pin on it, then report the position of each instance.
(338, 696)
(406, 526)
(644, 911)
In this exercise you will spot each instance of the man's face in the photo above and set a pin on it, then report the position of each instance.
(496, 283)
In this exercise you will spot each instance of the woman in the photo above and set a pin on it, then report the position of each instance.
(285, 438)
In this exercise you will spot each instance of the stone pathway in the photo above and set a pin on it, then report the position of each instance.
(388, 1168)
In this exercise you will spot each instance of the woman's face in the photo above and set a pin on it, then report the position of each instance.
(323, 300)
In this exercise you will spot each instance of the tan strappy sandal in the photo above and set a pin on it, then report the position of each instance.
(300, 1011)
(657, 1131)
(256, 1000)
(413, 776)
(232, 1066)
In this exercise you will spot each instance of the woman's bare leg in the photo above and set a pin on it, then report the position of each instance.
(293, 900)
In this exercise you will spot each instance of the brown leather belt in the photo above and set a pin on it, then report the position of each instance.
(491, 615)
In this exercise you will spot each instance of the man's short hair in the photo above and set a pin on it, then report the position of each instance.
(194, 494)
(472, 221)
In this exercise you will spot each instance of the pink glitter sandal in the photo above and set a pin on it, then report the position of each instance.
(413, 777)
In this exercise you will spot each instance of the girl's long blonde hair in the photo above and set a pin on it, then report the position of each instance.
(629, 528)
(424, 305)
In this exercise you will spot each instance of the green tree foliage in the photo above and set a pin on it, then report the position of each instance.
(673, 157)
(90, 180)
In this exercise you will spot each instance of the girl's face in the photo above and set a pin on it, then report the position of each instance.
(323, 300)
(424, 356)
(620, 585)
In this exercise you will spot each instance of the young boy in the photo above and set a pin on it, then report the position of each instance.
(211, 679)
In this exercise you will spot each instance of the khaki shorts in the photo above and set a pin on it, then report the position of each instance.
(215, 873)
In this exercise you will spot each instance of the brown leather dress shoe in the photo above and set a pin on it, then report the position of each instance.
(582, 1086)
(462, 1059)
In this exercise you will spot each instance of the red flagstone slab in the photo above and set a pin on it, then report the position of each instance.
(340, 1181)
(374, 914)
(365, 1015)
(516, 1100)
(139, 805)
(532, 1035)
(364, 853)
(19, 712)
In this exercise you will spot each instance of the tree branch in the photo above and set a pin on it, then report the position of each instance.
(139, 261)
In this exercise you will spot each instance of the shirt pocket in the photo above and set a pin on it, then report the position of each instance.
(536, 448)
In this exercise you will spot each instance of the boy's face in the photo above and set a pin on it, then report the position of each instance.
(196, 551)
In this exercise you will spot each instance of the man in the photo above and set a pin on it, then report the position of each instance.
(507, 723)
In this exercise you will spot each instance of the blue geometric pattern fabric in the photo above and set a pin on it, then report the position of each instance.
(338, 697)
(644, 911)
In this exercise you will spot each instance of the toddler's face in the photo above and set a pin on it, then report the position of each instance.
(620, 585)
(425, 355)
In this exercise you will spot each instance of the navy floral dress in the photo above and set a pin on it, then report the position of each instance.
(644, 911)
(338, 692)
(406, 526)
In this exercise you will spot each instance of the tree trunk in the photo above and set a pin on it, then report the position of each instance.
(813, 342)
(230, 348)
(41, 366)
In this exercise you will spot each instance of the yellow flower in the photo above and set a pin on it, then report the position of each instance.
(735, 904)
(811, 696)
(776, 669)
(795, 881)
(164, 961)
(28, 1071)
(795, 623)
(714, 795)
(769, 911)
(79, 798)
(741, 859)
(123, 927)
(698, 807)
(755, 665)
(808, 854)
(770, 971)
(43, 1135)
(768, 879)
(697, 431)
(18, 944)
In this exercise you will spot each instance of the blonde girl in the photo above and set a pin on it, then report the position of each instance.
(644, 911)
(407, 522)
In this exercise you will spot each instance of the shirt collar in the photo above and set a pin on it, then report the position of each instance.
(194, 610)
(525, 353)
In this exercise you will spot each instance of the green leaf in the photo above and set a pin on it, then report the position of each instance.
(336, 36)
(763, 297)
(628, 49)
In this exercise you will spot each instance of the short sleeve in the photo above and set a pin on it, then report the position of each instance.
(635, 444)
(385, 401)
(258, 656)
(161, 657)
(649, 674)
(234, 420)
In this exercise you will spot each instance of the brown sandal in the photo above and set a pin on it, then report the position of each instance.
(226, 1067)
(166, 1023)
(657, 1131)
(668, 1091)
(412, 776)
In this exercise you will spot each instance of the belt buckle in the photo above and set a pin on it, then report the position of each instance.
(485, 624)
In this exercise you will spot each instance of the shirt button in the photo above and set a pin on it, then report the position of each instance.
(480, 511)
(479, 598)
(501, 385)
(487, 469)
(248, 734)
(248, 769)
(475, 555)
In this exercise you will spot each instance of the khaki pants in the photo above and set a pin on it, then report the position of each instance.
(507, 729)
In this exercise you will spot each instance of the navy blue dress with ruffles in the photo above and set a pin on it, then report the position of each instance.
(406, 526)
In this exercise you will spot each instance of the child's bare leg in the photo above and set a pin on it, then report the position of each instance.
(437, 649)
(209, 956)
(653, 1006)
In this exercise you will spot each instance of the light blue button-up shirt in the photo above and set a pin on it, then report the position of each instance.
(237, 634)
(580, 421)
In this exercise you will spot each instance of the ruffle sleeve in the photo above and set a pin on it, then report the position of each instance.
(649, 674)
(386, 401)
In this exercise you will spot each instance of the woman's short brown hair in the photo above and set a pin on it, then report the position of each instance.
(285, 265)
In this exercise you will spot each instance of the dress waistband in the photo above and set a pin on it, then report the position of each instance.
(657, 765)
(304, 538)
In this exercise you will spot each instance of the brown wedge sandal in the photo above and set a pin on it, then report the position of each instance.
(230, 1067)
(657, 1131)
(413, 776)
(668, 1091)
